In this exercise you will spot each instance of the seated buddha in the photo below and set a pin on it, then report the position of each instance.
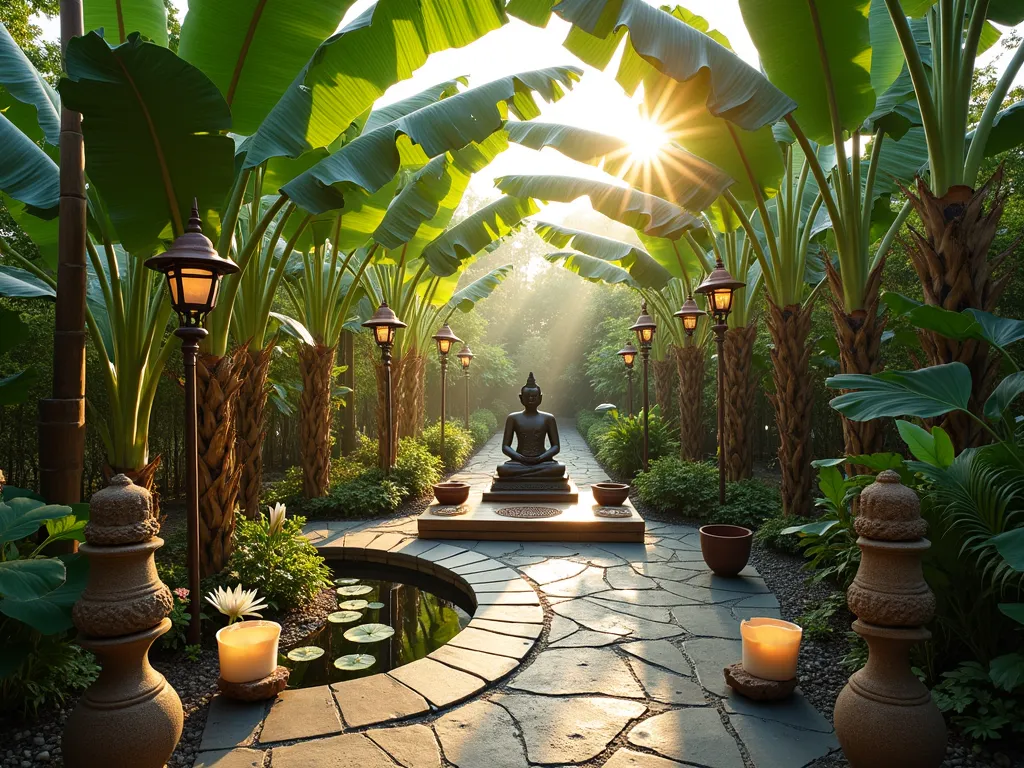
(531, 459)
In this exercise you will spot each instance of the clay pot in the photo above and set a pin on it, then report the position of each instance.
(451, 493)
(610, 494)
(726, 548)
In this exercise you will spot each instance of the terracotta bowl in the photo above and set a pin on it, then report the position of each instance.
(610, 494)
(726, 548)
(451, 493)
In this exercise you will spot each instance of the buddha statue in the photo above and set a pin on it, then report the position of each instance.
(531, 470)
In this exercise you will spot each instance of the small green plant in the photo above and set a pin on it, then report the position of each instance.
(416, 469)
(985, 703)
(286, 490)
(458, 443)
(53, 670)
(482, 425)
(369, 495)
(193, 652)
(770, 535)
(817, 621)
(621, 448)
(175, 637)
(273, 556)
(748, 503)
(856, 655)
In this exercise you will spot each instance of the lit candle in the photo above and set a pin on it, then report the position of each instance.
(770, 648)
(248, 650)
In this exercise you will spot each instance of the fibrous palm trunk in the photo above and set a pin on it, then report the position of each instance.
(145, 477)
(409, 396)
(249, 426)
(217, 385)
(316, 363)
(859, 335)
(664, 380)
(690, 366)
(740, 390)
(793, 401)
(951, 259)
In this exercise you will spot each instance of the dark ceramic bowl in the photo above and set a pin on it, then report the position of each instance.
(726, 548)
(451, 493)
(610, 494)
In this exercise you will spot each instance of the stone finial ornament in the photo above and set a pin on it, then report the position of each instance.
(885, 716)
(130, 715)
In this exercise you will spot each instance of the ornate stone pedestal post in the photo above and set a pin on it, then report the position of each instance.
(130, 715)
(885, 717)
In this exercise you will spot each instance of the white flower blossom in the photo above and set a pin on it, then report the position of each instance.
(236, 603)
(277, 515)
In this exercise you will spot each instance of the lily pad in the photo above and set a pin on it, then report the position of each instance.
(306, 653)
(354, 662)
(353, 605)
(356, 589)
(346, 582)
(375, 606)
(344, 617)
(369, 633)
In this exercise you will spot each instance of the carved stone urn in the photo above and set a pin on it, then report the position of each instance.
(885, 716)
(130, 715)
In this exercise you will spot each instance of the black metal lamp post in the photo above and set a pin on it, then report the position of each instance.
(628, 355)
(720, 287)
(466, 357)
(193, 270)
(645, 328)
(445, 340)
(384, 323)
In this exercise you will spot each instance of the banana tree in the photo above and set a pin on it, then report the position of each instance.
(959, 219)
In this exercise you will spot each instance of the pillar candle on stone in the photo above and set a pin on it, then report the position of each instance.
(248, 650)
(770, 648)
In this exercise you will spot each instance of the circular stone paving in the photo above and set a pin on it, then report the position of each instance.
(528, 512)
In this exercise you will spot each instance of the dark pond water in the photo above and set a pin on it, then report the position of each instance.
(391, 617)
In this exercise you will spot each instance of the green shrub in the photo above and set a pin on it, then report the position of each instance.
(416, 469)
(286, 490)
(748, 503)
(770, 535)
(597, 431)
(621, 447)
(52, 670)
(482, 425)
(369, 495)
(282, 565)
(984, 703)
(365, 453)
(458, 443)
(585, 420)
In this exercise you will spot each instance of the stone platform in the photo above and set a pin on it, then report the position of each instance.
(576, 522)
(558, 491)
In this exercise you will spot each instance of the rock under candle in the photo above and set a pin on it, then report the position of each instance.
(248, 650)
(770, 648)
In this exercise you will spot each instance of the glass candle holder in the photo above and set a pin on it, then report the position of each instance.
(770, 648)
(248, 650)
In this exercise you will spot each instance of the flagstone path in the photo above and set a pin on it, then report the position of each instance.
(621, 648)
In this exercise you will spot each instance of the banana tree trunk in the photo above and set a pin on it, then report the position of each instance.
(740, 390)
(409, 410)
(250, 427)
(793, 401)
(690, 367)
(218, 382)
(664, 379)
(951, 259)
(859, 335)
(316, 363)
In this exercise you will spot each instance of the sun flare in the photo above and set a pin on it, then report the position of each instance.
(646, 138)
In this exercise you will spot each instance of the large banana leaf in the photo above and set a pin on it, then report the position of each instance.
(676, 256)
(674, 174)
(643, 212)
(466, 298)
(1007, 12)
(16, 283)
(353, 68)
(924, 393)
(590, 268)
(252, 49)
(474, 233)
(373, 159)
(383, 115)
(154, 135)
(26, 172)
(811, 48)
(26, 99)
(640, 265)
(119, 18)
(736, 91)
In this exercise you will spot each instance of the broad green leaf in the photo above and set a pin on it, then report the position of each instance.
(1007, 130)
(353, 605)
(30, 579)
(1000, 331)
(1007, 671)
(736, 91)
(154, 140)
(67, 528)
(344, 617)
(647, 272)
(1007, 391)
(369, 633)
(119, 18)
(466, 298)
(1006, 12)
(673, 174)
(1014, 611)
(293, 328)
(353, 68)
(832, 484)
(251, 49)
(388, 114)
(354, 662)
(959, 326)
(471, 235)
(26, 172)
(646, 213)
(677, 256)
(878, 462)
(810, 529)
(42, 231)
(372, 160)
(22, 517)
(590, 268)
(355, 589)
(306, 653)
(26, 99)
(933, 447)
(51, 613)
(924, 393)
(1011, 546)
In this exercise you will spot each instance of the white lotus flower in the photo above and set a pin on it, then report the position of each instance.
(277, 515)
(236, 603)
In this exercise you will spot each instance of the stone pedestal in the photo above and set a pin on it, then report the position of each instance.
(885, 717)
(130, 715)
(557, 490)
